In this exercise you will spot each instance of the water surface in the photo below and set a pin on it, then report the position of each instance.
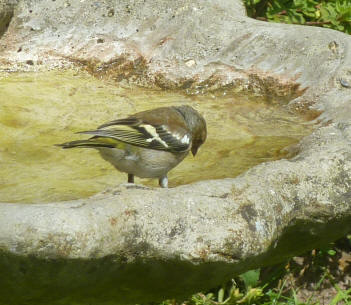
(38, 110)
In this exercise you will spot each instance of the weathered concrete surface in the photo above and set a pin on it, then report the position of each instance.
(134, 244)
(186, 44)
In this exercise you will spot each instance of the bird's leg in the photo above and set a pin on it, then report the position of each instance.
(163, 182)
(130, 178)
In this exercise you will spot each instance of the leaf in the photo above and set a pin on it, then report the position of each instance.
(331, 252)
(332, 10)
(221, 295)
(250, 278)
(318, 14)
(324, 14)
(297, 18)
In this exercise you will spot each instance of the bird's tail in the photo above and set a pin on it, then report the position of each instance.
(89, 143)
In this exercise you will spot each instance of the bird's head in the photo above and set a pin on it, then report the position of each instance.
(196, 124)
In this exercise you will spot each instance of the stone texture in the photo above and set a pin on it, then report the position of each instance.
(134, 244)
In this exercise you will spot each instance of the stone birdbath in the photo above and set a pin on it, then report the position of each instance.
(139, 243)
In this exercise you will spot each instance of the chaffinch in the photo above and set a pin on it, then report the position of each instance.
(148, 144)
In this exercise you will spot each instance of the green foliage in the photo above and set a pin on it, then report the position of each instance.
(334, 14)
(281, 284)
(237, 295)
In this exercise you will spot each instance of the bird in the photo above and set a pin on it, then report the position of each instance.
(148, 144)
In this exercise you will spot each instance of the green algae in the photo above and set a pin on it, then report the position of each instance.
(38, 110)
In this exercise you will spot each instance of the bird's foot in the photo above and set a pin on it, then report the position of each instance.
(163, 182)
(130, 178)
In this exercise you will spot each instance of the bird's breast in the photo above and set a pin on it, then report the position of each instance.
(142, 162)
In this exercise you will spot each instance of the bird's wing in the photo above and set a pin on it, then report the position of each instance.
(140, 132)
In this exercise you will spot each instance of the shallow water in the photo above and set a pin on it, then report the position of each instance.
(40, 110)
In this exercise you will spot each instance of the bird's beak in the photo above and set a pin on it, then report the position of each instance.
(194, 150)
